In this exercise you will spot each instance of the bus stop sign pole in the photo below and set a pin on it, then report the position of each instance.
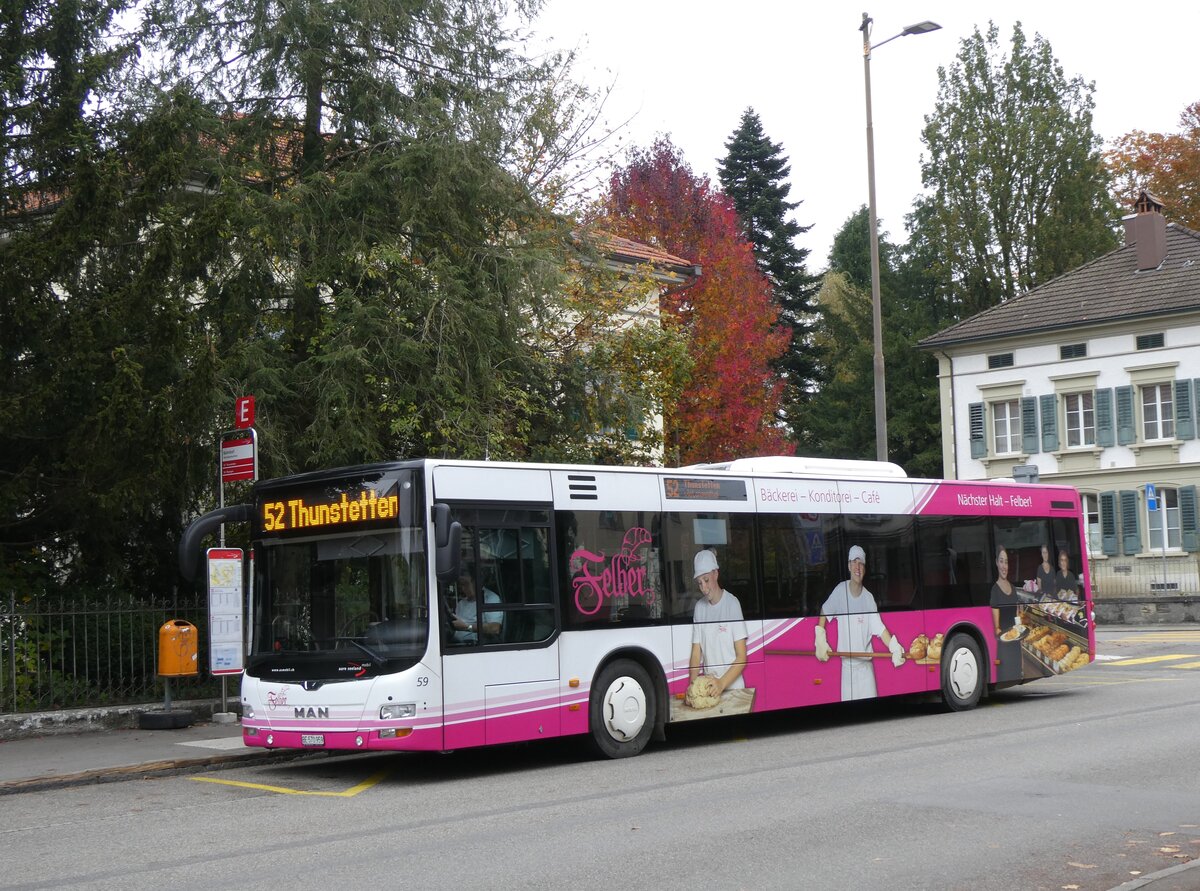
(237, 460)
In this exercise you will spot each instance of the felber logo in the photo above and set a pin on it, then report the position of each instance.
(276, 700)
(624, 574)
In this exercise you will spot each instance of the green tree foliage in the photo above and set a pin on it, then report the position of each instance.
(387, 250)
(841, 421)
(841, 417)
(55, 58)
(340, 207)
(1017, 190)
(754, 174)
(108, 377)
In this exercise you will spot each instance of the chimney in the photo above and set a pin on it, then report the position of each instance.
(1147, 228)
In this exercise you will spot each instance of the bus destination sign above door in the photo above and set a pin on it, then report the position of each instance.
(693, 489)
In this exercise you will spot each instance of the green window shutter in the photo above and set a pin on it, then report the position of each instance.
(1188, 520)
(1029, 425)
(1049, 422)
(1131, 523)
(1108, 523)
(978, 433)
(1126, 430)
(1185, 419)
(1106, 430)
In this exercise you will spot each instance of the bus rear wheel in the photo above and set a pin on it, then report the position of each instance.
(962, 673)
(622, 709)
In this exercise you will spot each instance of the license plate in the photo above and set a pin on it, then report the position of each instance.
(312, 739)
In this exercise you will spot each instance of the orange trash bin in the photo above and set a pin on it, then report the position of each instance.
(178, 649)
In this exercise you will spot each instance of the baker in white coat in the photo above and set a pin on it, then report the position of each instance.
(853, 607)
(718, 630)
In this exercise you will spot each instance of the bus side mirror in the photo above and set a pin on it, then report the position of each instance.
(189, 544)
(447, 541)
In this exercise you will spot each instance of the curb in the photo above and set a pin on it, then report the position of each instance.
(1154, 878)
(169, 767)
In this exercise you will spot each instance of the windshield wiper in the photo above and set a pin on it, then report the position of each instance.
(366, 649)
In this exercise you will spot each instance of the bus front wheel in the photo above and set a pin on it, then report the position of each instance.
(962, 673)
(621, 709)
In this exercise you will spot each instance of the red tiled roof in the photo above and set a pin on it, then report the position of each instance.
(627, 247)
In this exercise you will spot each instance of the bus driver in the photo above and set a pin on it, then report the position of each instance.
(854, 609)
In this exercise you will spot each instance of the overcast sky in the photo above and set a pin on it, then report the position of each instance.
(689, 70)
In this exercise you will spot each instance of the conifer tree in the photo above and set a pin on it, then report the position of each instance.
(754, 175)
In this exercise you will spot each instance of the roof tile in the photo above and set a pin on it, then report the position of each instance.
(1107, 289)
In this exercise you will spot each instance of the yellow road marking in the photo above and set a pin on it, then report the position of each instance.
(283, 790)
(1147, 660)
(1187, 665)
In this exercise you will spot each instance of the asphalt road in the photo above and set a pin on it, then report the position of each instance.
(1079, 782)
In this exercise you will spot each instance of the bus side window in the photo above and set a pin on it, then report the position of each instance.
(797, 572)
(892, 570)
(953, 553)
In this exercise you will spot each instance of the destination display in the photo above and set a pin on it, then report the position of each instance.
(693, 489)
(320, 511)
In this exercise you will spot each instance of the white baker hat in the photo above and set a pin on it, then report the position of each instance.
(857, 553)
(706, 561)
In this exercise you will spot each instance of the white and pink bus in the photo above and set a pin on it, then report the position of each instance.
(437, 604)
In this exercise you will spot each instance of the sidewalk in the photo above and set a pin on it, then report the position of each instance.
(96, 751)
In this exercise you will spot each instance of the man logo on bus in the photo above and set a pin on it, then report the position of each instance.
(598, 577)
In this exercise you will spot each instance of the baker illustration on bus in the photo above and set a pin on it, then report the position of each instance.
(853, 608)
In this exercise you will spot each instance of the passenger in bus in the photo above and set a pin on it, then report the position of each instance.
(1004, 618)
(1045, 574)
(718, 631)
(465, 622)
(853, 607)
(1066, 585)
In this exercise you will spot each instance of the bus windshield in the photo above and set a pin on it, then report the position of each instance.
(360, 598)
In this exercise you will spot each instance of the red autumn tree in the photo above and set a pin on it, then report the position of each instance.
(729, 407)
(1168, 164)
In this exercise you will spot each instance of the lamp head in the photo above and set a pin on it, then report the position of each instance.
(921, 28)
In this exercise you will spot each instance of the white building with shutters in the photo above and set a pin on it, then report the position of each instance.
(1094, 379)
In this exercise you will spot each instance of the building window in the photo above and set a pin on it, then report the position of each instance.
(1072, 351)
(1149, 341)
(1091, 517)
(1000, 360)
(1081, 419)
(1006, 427)
(1168, 507)
(1158, 412)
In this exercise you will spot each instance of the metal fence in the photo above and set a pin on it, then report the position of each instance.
(1145, 576)
(57, 652)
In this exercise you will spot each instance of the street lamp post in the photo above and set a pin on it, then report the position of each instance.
(881, 443)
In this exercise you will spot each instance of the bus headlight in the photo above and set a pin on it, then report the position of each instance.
(398, 711)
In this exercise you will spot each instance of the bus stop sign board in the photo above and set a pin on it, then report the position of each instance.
(239, 457)
(225, 643)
